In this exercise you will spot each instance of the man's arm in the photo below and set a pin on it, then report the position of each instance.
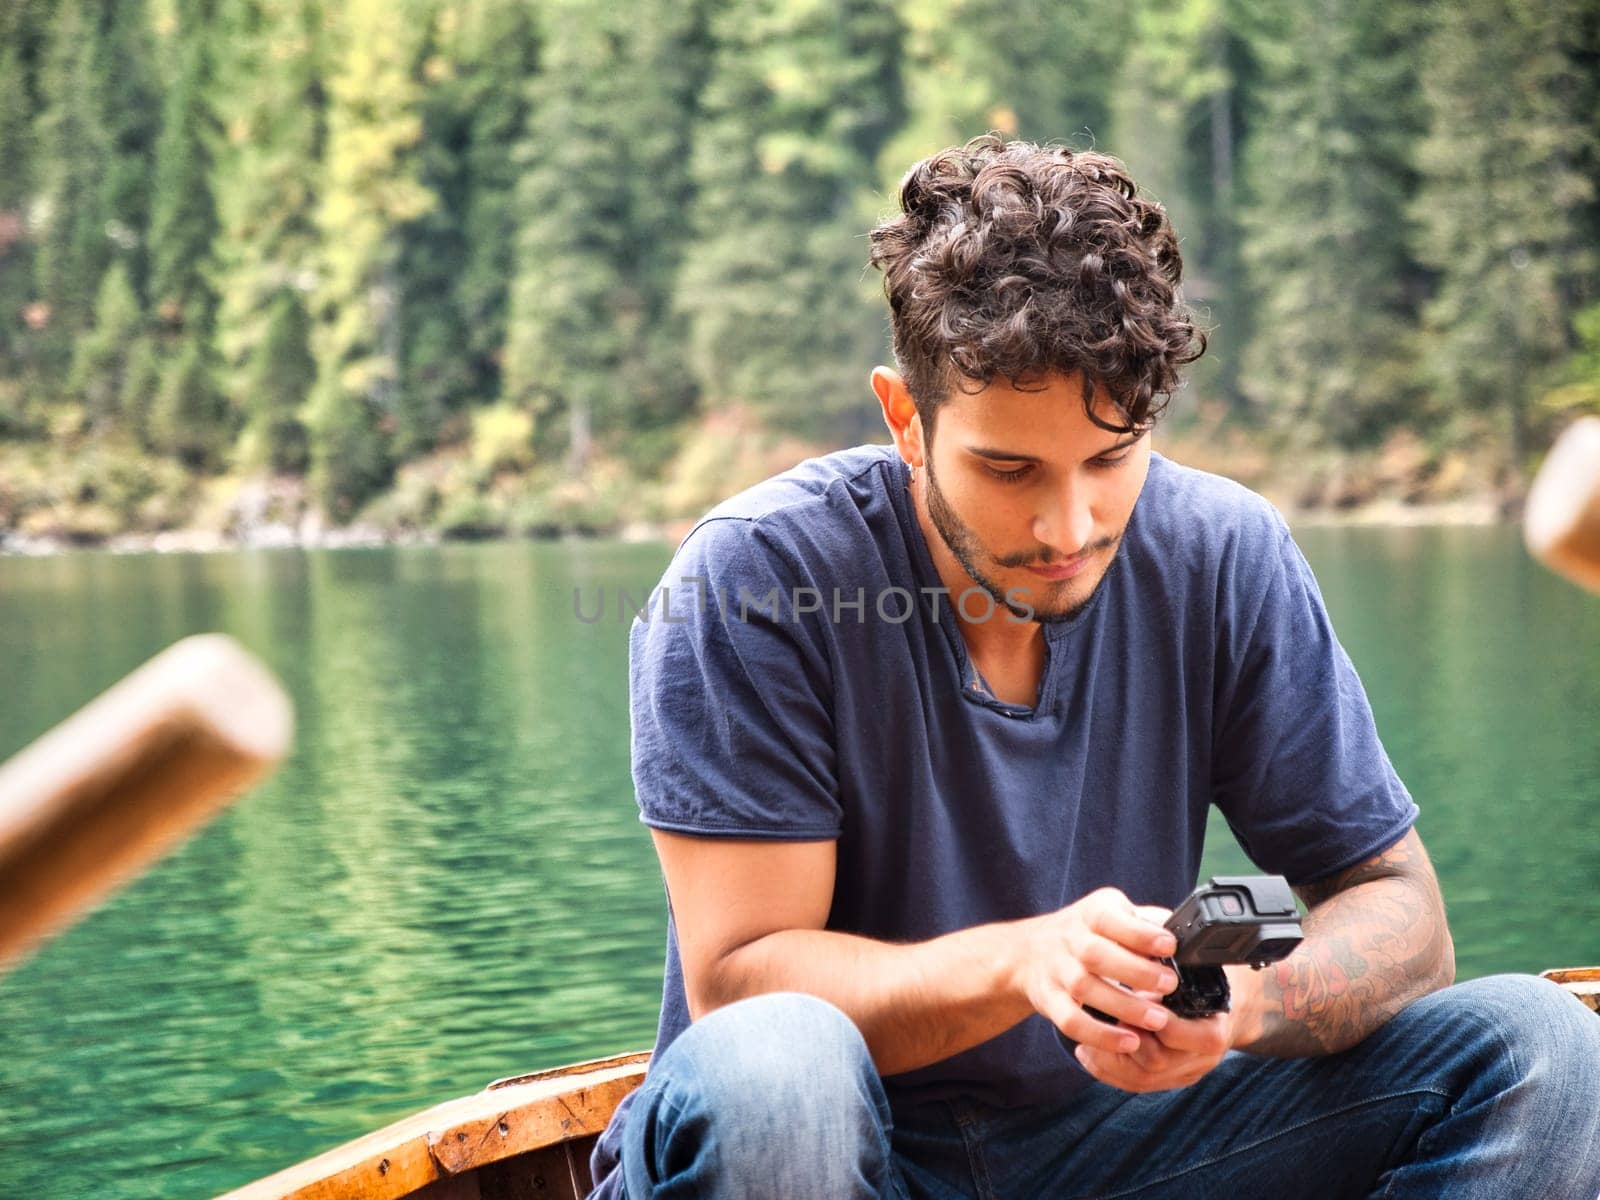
(1376, 940)
(750, 917)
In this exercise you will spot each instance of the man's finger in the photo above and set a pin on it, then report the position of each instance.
(1120, 1071)
(1125, 1006)
(1090, 1031)
(1108, 960)
(1127, 928)
(1159, 1061)
(1196, 1035)
(1068, 1016)
(1153, 912)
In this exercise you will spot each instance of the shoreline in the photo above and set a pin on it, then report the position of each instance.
(1396, 514)
(1476, 511)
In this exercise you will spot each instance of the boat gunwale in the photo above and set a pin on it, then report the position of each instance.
(508, 1118)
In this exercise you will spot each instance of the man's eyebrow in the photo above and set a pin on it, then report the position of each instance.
(1007, 455)
(1013, 456)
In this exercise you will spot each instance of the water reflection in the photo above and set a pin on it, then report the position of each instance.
(444, 884)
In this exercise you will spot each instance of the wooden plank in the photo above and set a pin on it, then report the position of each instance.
(548, 1174)
(453, 1139)
(577, 1152)
(456, 1187)
(504, 1130)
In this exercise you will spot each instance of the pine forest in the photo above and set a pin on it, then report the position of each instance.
(472, 268)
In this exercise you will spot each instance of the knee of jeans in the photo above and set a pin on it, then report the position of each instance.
(1550, 1037)
(777, 1050)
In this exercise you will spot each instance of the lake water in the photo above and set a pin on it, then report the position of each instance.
(447, 882)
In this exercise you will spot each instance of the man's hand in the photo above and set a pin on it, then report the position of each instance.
(1099, 952)
(1376, 939)
(1173, 1057)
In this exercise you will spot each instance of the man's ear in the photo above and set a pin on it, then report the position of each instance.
(899, 414)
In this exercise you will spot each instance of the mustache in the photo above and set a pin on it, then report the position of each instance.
(1049, 558)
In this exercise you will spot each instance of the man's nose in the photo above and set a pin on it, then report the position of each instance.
(1067, 522)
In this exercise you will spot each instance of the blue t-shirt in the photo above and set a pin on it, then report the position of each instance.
(801, 676)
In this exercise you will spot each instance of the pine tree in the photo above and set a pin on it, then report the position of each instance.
(24, 37)
(351, 461)
(73, 249)
(1176, 120)
(270, 103)
(100, 364)
(191, 419)
(500, 42)
(782, 315)
(565, 344)
(188, 420)
(281, 376)
(16, 250)
(141, 380)
(91, 146)
(595, 341)
(672, 53)
(1326, 243)
(24, 33)
(126, 96)
(1503, 208)
(1031, 69)
(183, 223)
(16, 138)
(434, 373)
(369, 192)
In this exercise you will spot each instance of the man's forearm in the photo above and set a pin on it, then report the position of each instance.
(1369, 951)
(914, 1003)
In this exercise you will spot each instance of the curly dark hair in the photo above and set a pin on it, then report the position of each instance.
(1018, 260)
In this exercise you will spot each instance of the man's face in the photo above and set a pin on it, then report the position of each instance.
(1029, 495)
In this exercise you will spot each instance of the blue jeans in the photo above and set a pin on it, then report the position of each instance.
(1489, 1090)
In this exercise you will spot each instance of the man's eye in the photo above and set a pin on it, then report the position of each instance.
(1107, 461)
(1008, 476)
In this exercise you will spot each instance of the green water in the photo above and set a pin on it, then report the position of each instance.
(447, 882)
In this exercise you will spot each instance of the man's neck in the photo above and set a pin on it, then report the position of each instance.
(995, 639)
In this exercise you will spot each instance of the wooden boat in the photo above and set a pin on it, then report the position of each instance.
(520, 1138)
(524, 1137)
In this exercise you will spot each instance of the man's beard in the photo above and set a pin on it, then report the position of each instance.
(964, 545)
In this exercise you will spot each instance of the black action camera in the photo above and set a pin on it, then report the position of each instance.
(1233, 919)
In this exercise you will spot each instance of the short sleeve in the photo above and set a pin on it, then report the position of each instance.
(1298, 769)
(732, 729)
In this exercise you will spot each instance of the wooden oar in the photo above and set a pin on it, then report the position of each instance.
(1562, 521)
(98, 797)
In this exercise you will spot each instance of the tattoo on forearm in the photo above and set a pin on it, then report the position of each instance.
(1375, 941)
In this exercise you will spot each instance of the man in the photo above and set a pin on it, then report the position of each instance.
(927, 735)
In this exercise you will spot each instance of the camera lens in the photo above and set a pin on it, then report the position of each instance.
(1276, 948)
